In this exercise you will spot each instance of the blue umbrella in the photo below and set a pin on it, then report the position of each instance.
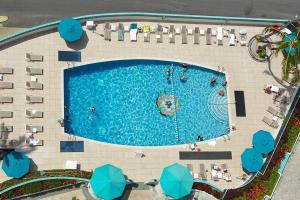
(252, 160)
(108, 182)
(176, 181)
(289, 49)
(263, 142)
(70, 29)
(16, 164)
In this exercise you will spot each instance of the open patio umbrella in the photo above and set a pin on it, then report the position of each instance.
(263, 142)
(176, 181)
(108, 182)
(15, 164)
(70, 29)
(288, 38)
(252, 160)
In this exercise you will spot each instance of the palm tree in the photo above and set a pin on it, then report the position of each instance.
(289, 45)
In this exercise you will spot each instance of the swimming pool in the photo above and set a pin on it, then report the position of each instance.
(123, 94)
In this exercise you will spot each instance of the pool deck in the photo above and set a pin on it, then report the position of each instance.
(243, 73)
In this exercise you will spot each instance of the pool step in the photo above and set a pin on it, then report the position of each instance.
(218, 105)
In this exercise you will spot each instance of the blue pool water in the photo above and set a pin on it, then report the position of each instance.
(124, 94)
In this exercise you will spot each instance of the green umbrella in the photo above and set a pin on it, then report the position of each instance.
(108, 182)
(176, 181)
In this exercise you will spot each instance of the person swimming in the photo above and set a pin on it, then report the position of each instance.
(213, 80)
(92, 109)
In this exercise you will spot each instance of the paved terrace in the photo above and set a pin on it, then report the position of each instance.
(243, 74)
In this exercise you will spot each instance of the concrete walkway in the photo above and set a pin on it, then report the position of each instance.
(288, 187)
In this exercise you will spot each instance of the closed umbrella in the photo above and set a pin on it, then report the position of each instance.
(108, 182)
(176, 181)
(263, 142)
(252, 160)
(70, 29)
(16, 164)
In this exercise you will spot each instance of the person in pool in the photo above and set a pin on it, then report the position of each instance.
(92, 109)
(213, 80)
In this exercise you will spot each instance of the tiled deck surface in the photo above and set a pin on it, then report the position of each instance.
(243, 74)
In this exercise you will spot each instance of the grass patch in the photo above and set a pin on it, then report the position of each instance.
(293, 134)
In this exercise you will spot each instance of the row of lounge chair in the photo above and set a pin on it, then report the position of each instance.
(202, 172)
(30, 113)
(29, 128)
(220, 33)
(274, 121)
(29, 99)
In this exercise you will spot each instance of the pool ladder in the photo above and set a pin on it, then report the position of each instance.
(173, 94)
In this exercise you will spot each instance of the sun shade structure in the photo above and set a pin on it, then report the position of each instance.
(176, 181)
(108, 182)
(252, 160)
(15, 164)
(70, 29)
(263, 142)
(289, 49)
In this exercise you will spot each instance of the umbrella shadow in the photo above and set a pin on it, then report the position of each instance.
(80, 44)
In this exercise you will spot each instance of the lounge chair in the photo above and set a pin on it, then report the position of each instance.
(35, 142)
(32, 85)
(214, 173)
(107, 32)
(6, 70)
(224, 167)
(208, 36)
(34, 71)
(190, 167)
(34, 113)
(133, 32)
(159, 34)
(270, 122)
(197, 35)
(4, 99)
(34, 57)
(34, 128)
(8, 144)
(243, 37)
(220, 35)
(202, 172)
(275, 112)
(172, 34)
(4, 128)
(232, 37)
(34, 99)
(121, 32)
(6, 114)
(184, 34)
(146, 30)
(6, 85)
(282, 99)
(153, 29)
(90, 25)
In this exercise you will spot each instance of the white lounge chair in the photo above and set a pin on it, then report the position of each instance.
(34, 57)
(243, 37)
(35, 142)
(270, 122)
(32, 85)
(220, 35)
(34, 99)
(232, 37)
(5, 99)
(133, 35)
(208, 36)
(159, 34)
(34, 71)
(275, 112)
(34, 128)
(6, 70)
(6, 114)
(71, 164)
(172, 34)
(34, 113)
(6, 85)
(197, 35)
(107, 31)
